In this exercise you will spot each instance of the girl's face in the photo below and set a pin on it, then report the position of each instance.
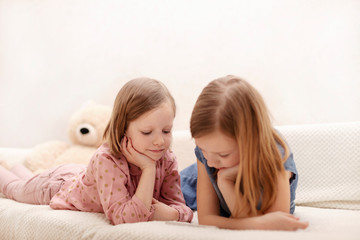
(151, 133)
(220, 150)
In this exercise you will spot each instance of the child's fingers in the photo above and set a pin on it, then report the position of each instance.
(292, 216)
(132, 150)
(303, 225)
(298, 224)
(124, 146)
(129, 144)
(123, 143)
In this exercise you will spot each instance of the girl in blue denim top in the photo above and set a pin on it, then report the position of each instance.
(245, 177)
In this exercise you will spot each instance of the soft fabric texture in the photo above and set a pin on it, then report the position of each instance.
(24, 221)
(328, 159)
(39, 188)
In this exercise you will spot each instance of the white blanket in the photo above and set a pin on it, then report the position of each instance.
(24, 221)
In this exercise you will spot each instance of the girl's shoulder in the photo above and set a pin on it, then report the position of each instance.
(169, 156)
(103, 154)
(168, 160)
(199, 155)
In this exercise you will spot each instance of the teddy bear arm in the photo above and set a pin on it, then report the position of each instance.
(76, 154)
(44, 155)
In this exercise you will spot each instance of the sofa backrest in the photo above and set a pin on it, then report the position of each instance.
(327, 157)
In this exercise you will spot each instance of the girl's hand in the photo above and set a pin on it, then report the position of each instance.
(228, 173)
(281, 221)
(163, 212)
(226, 178)
(135, 157)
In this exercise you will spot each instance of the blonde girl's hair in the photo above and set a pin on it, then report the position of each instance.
(135, 98)
(234, 107)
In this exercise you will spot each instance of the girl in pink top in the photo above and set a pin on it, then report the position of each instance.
(132, 177)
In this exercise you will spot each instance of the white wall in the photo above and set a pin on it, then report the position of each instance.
(303, 56)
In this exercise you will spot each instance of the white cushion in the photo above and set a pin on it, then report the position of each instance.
(327, 157)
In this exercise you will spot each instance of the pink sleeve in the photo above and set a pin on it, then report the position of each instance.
(111, 176)
(171, 193)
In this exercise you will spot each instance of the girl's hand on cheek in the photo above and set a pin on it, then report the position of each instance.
(228, 173)
(133, 156)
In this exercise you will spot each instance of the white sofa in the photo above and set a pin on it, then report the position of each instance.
(328, 196)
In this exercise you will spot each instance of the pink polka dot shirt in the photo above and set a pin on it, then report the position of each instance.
(108, 185)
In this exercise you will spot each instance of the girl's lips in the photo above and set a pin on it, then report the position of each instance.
(157, 151)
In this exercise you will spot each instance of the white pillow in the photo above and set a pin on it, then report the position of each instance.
(327, 157)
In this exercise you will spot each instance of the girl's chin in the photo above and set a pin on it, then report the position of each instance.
(220, 168)
(155, 157)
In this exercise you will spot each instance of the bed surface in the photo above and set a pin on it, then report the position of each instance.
(24, 221)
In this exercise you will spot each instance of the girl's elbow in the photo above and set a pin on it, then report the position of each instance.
(279, 208)
(122, 220)
(204, 220)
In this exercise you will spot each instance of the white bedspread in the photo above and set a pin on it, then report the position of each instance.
(24, 221)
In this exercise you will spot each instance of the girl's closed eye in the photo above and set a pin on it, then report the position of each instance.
(166, 131)
(224, 155)
(146, 132)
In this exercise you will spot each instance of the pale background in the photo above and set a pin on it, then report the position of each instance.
(302, 55)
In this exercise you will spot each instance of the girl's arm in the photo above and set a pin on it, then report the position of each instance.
(164, 212)
(171, 195)
(107, 186)
(282, 201)
(226, 183)
(145, 188)
(208, 211)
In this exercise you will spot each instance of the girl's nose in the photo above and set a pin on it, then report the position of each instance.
(211, 161)
(158, 140)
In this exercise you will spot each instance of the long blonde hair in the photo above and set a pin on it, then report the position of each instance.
(234, 107)
(135, 98)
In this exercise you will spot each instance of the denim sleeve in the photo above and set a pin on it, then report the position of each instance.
(291, 167)
(199, 155)
(188, 180)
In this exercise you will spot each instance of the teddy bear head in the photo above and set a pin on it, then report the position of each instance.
(86, 126)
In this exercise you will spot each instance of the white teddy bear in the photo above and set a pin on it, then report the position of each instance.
(85, 129)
